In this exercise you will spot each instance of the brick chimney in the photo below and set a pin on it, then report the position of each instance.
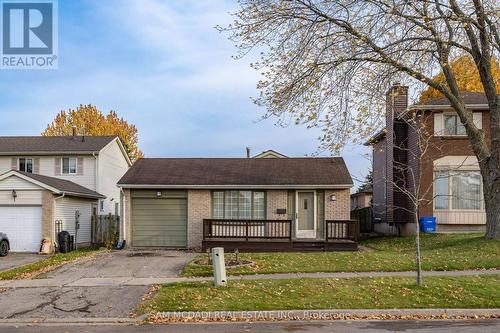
(396, 103)
(396, 100)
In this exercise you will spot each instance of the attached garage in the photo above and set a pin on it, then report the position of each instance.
(31, 205)
(23, 225)
(159, 218)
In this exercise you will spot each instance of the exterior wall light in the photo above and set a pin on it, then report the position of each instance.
(333, 198)
(14, 194)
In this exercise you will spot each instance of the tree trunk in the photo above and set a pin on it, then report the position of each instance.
(417, 252)
(491, 193)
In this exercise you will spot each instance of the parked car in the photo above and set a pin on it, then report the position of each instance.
(4, 245)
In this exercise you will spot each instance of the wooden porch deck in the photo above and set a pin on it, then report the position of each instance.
(276, 236)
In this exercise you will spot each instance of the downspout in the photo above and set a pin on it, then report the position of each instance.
(96, 180)
(123, 214)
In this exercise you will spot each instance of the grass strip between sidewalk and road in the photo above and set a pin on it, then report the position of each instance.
(440, 252)
(346, 293)
(48, 264)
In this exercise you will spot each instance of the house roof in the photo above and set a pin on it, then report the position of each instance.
(270, 154)
(469, 98)
(238, 172)
(56, 185)
(53, 144)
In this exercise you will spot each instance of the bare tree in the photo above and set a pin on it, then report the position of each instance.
(327, 63)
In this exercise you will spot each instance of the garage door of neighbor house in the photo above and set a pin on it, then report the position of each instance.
(159, 218)
(23, 226)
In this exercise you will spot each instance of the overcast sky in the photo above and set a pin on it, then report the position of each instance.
(162, 66)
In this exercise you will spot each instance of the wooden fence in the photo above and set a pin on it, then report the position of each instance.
(364, 216)
(105, 229)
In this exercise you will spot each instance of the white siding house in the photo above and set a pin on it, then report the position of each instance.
(44, 181)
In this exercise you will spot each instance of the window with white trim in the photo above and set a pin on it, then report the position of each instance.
(25, 164)
(234, 204)
(69, 165)
(457, 190)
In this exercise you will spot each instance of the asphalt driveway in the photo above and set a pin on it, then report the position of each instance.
(127, 263)
(95, 301)
(18, 259)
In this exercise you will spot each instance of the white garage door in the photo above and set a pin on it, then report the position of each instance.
(23, 226)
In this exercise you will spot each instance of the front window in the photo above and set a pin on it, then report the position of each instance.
(457, 190)
(26, 165)
(453, 125)
(238, 205)
(69, 165)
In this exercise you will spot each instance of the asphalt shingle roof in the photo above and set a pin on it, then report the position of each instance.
(48, 144)
(62, 185)
(238, 171)
(468, 98)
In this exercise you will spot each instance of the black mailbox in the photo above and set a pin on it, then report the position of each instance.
(281, 211)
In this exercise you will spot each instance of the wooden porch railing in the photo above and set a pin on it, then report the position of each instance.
(247, 229)
(341, 230)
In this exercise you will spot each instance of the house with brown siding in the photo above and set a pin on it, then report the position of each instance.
(268, 203)
(446, 173)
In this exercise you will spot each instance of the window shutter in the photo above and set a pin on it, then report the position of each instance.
(57, 166)
(438, 124)
(79, 166)
(478, 119)
(13, 163)
(36, 166)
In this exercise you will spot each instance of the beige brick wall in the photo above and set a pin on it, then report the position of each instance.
(339, 209)
(276, 199)
(48, 229)
(199, 208)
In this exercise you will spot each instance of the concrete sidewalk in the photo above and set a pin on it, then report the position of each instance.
(146, 281)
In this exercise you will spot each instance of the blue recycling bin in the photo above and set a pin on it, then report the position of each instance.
(427, 224)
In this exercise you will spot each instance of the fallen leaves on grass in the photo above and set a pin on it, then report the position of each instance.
(159, 318)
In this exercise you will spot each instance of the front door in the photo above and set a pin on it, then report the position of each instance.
(306, 226)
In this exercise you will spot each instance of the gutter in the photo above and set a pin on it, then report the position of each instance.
(285, 187)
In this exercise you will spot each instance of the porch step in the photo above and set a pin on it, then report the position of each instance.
(308, 246)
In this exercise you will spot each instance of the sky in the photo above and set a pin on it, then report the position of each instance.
(164, 67)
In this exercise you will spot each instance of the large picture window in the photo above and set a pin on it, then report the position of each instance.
(238, 205)
(457, 190)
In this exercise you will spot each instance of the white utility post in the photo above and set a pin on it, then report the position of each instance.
(219, 266)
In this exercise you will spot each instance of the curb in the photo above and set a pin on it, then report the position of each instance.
(326, 314)
(69, 321)
(254, 316)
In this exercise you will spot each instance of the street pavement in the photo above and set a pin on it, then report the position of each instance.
(406, 326)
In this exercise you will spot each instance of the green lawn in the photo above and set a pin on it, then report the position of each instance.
(353, 293)
(47, 264)
(439, 252)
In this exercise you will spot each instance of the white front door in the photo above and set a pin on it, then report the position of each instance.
(306, 214)
(23, 226)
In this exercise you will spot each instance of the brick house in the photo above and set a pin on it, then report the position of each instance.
(271, 203)
(447, 173)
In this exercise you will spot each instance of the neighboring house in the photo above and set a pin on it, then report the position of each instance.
(447, 173)
(45, 181)
(361, 199)
(261, 204)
